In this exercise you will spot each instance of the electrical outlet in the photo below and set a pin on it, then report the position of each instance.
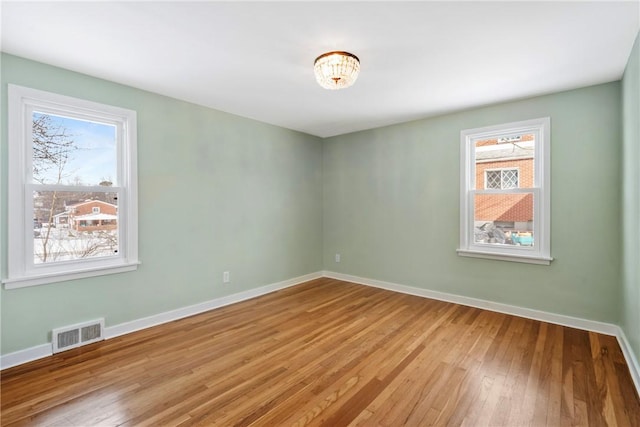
(226, 277)
(337, 257)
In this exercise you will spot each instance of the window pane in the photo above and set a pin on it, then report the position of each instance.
(504, 163)
(493, 179)
(71, 151)
(509, 178)
(504, 219)
(72, 225)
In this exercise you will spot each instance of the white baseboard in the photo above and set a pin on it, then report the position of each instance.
(169, 316)
(27, 355)
(558, 319)
(630, 357)
(45, 350)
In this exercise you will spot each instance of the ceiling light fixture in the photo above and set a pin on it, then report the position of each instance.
(336, 70)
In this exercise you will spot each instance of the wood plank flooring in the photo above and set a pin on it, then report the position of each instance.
(332, 353)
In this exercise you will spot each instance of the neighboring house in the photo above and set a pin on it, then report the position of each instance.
(61, 220)
(90, 215)
(503, 164)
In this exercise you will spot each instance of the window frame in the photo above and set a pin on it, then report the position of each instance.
(21, 269)
(540, 253)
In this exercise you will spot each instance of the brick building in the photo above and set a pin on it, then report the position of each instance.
(503, 164)
(90, 215)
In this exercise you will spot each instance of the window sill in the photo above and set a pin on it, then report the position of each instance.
(505, 257)
(23, 282)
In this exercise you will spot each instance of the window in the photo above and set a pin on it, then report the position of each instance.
(504, 200)
(72, 188)
(501, 179)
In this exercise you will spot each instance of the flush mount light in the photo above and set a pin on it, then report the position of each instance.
(336, 70)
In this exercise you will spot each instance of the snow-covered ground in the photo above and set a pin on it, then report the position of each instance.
(67, 245)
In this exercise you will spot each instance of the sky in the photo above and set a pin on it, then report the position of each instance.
(95, 158)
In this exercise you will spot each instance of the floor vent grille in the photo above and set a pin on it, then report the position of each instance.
(73, 336)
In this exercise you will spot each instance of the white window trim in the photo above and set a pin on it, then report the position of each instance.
(541, 252)
(21, 271)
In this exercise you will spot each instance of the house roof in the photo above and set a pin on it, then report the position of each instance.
(505, 152)
(95, 217)
(255, 59)
(86, 202)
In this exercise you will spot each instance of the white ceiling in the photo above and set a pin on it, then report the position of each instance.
(255, 59)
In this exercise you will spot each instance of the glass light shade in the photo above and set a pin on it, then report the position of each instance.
(336, 70)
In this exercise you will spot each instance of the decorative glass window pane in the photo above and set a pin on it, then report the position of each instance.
(501, 179)
(509, 178)
(493, 179)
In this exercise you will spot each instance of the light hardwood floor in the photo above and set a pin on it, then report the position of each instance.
(335, 354)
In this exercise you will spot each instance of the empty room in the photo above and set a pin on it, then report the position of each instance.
(320, 213)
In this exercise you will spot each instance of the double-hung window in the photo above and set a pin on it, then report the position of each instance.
(72, 188)
(504, 195)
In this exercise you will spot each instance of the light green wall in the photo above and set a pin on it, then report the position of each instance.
(391, 206)
(631, 200)
(216, 192)
(219, 192)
